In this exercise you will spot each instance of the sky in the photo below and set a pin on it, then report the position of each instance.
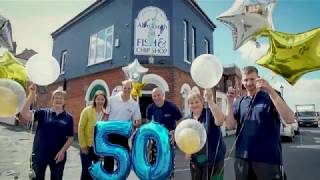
(33, 21)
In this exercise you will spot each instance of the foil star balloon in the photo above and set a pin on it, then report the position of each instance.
(292, 55)
(11, 68)
(5, 33)
(247, 20)
(135, 71)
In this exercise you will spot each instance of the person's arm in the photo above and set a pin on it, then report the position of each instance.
(69, 135)
(137, 116)
(61, 154)
(214, 108)
(81, 128)
(229, 117)
(281, 106)
(25, 113)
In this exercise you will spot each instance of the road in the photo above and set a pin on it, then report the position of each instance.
(301, 158)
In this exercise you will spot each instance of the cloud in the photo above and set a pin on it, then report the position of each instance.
(305, 91)
(250, 52)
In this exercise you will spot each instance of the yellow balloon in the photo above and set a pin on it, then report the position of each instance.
(136, 90)
(188, 141)
(8, 102)
(292, 55)
(11, 68)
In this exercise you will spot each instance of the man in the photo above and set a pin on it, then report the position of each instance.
(122, 107)
(163, 112)
(258, 146)
(53, 137)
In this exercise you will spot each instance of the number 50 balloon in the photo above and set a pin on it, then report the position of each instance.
(206, 71)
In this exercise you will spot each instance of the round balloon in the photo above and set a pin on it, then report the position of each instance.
(190, 136)
(12, 98)
(206, 71)
(42, 70)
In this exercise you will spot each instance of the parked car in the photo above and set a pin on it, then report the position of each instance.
(296, 128)
(287, 131)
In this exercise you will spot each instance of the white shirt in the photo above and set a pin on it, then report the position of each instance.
(124, 111)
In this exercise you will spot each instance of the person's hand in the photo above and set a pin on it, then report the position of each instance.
(263, 85)
(171, 133)
(60, 156)
(188, 156)
(208, 94)
(231, 94)
(84, 150)
(32, 90)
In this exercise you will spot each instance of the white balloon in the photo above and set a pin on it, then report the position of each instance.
(12, 97)
(206, 71)
(190, 125)
(42, 70)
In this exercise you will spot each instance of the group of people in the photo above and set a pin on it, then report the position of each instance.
(256, 116)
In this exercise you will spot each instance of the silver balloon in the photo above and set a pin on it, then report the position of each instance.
(5, 33)
(248, 20)
(135, 71)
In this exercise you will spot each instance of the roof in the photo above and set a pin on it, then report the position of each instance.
(98, 3)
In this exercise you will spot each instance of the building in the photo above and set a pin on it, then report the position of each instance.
(164, 35)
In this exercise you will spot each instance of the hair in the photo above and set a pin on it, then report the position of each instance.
(59, 90)
(249, 70)
(158, 89)
(194, 95)
(99, 92)
(126, 81)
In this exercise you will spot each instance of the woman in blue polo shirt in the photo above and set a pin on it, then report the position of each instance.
(208, 163)
(53, 137)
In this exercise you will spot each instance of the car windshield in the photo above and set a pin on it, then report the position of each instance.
(305, 114)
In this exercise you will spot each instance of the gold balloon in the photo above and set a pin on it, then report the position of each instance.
(188, 141)
(8, 102)
(292, 55)
(136, 90)
(11, 68)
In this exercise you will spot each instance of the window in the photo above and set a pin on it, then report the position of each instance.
(101, 46)
(186, 42)
(194, 53)
(63, 61)
(206, 46)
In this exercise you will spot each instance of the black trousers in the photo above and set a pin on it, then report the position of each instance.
(245, 169)
(55, 168)
(86, 162)
(207, 171)
(114, 139)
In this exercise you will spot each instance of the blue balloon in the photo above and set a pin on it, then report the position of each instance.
(103, 147)
(163, 166)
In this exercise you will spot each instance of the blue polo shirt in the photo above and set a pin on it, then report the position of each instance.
(167, 115)
(214, 150)
(51, 135)
(259, 140)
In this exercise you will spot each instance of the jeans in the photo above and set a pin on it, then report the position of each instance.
(86, 162)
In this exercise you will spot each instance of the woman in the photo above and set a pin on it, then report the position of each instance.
(90, 115)
(53, 137)
(208, 163)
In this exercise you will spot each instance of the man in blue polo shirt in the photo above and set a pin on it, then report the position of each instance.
(53, 137)
(163, 112)
(257, 117)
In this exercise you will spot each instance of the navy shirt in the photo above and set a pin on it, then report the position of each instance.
(259, 140)
(167, 115)
(214, 150)
(51, 135)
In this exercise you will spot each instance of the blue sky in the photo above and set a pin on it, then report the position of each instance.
(34, 20)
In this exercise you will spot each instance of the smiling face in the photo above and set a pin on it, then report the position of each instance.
(126, 87)
(100, 101)
(249, 81)
(158, 97)
(195, 103)
(58, 100)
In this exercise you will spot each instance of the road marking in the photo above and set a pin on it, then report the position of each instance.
(309, 130)
(307, 146)
(181, 170)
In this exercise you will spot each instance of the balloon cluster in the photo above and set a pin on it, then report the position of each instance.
(135, 72)
(289, 55)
